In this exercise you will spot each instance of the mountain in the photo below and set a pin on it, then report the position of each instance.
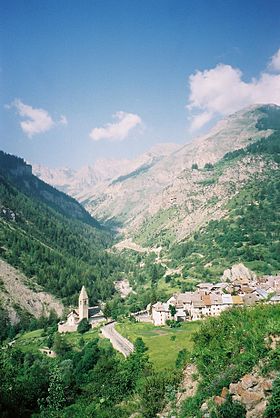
(82, 182)
(19, 173)
(161, 197)
(172, 196)
(243, 214)
(51, 238)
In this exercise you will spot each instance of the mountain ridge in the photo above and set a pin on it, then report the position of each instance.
(134, 200)
(141, 194)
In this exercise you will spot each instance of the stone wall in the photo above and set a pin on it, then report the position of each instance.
(67, 328)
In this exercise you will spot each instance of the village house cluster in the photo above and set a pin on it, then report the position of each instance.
(211, 299)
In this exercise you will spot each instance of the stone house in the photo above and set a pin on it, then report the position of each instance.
(93, 314)
(160, 313)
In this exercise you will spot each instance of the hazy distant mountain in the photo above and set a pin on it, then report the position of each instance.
(80, 183)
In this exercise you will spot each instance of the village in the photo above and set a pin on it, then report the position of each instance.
(239, 287)
(211, 299)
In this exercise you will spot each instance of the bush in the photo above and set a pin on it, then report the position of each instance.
(83, 326)
(173, 324)
(155, 390)
(273, 408)
(208, 167)
(229, 409)
(181, 359)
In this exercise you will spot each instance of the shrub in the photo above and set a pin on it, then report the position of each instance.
(273, 408)
(208, 166)
(173, 324)
(83, 326)
(181, 358)
(229, 409)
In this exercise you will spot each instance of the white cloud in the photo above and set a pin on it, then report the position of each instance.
(200, 120)
(275, 61)
(220, 91)
(119, 130)
(35, 121)
(63, 120)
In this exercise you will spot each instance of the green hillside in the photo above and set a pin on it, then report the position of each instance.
(250, 232)
(230, 346)
(51, 238)
(88, 378)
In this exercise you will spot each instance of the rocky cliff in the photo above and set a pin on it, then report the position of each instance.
(18, 293)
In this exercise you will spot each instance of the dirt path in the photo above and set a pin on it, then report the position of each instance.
(130, 245)
(117, 340)
(186, 389)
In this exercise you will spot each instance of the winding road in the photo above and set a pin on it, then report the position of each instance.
(117, 340)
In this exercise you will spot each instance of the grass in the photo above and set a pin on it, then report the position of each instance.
(151, 231)
(30, 341)
(176, 285)
(168, 287)
(73, 337)
(33, 341)
(163, 343)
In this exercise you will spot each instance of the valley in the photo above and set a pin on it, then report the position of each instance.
(140, 209)
(144, 232)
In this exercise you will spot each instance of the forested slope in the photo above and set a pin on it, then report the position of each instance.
(51, 238)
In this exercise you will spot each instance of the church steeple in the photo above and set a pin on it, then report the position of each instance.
(83, 304)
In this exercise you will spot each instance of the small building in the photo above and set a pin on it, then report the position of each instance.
(261, 294)
(94, 315)
(237, 300)
(275, 299)
(160, 313)
(48, 352)
(250, 299)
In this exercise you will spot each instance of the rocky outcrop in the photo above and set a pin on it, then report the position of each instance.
(238, 271)
(186, 390)
(123, 287)
(15, 293)
(253, 392)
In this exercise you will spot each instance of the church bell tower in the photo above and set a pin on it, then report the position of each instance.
(83, 304)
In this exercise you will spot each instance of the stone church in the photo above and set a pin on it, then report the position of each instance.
(94, 315)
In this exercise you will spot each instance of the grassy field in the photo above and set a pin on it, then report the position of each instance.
(30, 341)
(163, 343)
(33, 341)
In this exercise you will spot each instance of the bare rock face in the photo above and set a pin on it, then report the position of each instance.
(219, 400)
(258, 411)
(248, 381)
(238, 271)
(252, 391)
(14, 291)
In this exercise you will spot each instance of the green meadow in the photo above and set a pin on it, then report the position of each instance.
(34, 340)
(163, 343)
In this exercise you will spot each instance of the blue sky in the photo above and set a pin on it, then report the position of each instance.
(81, 80)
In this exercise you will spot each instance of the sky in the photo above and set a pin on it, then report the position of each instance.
(90, 79)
